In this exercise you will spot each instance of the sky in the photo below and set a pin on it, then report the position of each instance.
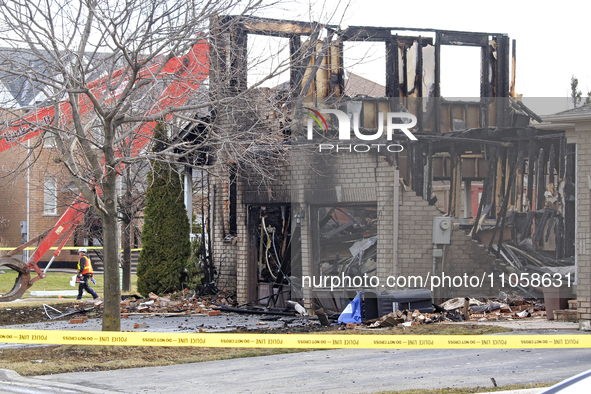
(550, 37)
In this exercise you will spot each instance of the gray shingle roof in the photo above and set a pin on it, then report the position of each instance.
(357, 85)
(583, 109)
(18, 88)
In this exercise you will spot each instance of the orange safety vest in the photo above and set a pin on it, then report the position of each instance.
(87, 266)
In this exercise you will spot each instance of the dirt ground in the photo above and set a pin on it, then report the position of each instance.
(11, 315)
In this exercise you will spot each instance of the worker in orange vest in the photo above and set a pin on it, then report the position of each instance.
(84, 274)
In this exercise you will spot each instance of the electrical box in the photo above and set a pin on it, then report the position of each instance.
(23, 228)
(437, 252)
(442, 230)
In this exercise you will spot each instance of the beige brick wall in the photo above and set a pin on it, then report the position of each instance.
(582, 136)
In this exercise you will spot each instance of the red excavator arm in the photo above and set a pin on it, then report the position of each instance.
(189, 72)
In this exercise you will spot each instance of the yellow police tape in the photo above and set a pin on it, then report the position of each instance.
(300, 341)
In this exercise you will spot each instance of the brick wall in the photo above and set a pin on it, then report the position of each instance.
(224, 249)
(581, 135)
(415, 239)
(467, 256)
(13, 196)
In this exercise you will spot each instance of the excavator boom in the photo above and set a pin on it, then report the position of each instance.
(189, 72)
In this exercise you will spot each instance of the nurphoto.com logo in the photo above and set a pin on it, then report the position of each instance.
(345, 130)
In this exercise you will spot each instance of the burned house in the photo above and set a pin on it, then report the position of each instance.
(460, 197)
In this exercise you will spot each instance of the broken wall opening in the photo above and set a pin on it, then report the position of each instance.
(348, 240)
(269, 254)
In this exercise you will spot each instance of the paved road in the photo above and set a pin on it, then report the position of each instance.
(332, 371)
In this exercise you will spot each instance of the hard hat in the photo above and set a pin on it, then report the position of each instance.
(82, 250)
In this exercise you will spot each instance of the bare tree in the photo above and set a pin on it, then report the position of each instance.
(105, 70)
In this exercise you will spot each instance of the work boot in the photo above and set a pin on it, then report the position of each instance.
(98, 301)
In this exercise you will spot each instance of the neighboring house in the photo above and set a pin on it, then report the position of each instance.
(577, 124)
(356, 85)
(34, 189)
(34, 192)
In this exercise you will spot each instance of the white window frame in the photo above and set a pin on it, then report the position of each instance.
(50, 196)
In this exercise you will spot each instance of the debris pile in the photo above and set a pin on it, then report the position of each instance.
(407, 318)
(453, 310)
(497, 309)
(182, 302)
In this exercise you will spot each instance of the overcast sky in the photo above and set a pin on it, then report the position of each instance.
(551, 38)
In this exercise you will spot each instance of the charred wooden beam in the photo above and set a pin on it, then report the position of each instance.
(311, 73)
(464, 39)
(498, 184)
(238, 62)
(392, 74)
(531, 160)
(518, 200)
(550, 222)
(486, 190)
(551, 169)
(446, 138)
(437, 87)
(377, 34)
(341, 79)
(419, 84)
(559, 239)
(503, 213)
(296, 69)
(529, 219)
(429, 180)
(513, 68)
(275, 27)
(405, 73)
(455, 190)
(541, 180)
(488, 195)
(485, 86)
(562, 158)
(540, 225)
(364, 33)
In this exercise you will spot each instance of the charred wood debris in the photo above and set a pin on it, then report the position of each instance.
(295, 316)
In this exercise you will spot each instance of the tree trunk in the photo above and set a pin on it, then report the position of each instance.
(126, 244)
(111, 311)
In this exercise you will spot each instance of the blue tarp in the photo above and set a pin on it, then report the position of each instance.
(352, 313)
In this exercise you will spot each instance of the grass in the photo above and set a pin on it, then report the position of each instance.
(55, 281)
(427, 329)
(70, 358)
(468, 390)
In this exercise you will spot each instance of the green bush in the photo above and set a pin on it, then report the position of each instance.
(194, 268)
(165, 236)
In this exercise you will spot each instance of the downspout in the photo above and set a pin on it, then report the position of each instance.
(189, 196)
(395, 209)
(26, 252)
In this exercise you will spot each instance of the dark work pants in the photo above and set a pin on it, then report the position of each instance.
(84, 286)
